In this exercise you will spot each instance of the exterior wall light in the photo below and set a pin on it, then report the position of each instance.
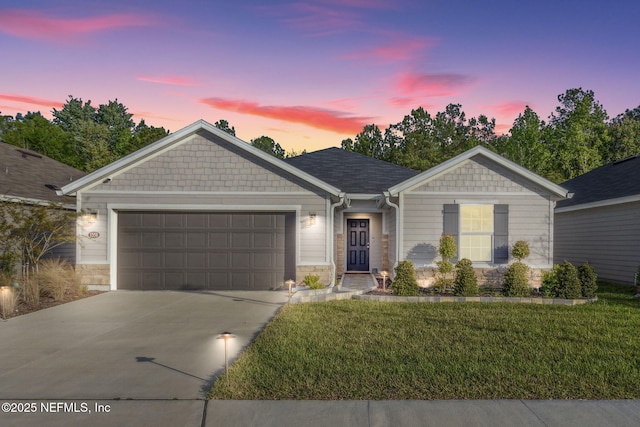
(312, 218)
(90, 217)
(226, 336)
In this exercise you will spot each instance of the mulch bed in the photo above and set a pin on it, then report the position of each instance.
(47, 302)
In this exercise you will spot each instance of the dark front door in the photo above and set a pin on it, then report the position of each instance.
(358, 245)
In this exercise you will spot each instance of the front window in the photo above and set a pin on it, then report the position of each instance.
(476, 232)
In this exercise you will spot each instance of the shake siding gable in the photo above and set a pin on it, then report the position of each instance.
(200, 164)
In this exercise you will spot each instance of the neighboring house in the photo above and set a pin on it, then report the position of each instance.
(32, 178)
(201, 209)
(600, 224)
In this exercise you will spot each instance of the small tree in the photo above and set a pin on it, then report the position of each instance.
(588, 280)
(405, 282)
(568, 282)
(465, 282)
(516, 280)
(34, 230)
(447, 250)
(520, 250)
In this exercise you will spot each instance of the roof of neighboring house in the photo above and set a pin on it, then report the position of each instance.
(617, 180)
(351, 172)
(32, 176)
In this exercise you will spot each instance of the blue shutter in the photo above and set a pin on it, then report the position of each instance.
(500, 234)
(451, 218)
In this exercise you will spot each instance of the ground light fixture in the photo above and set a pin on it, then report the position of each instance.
(226, 336)
(384, 279)
(290, 283)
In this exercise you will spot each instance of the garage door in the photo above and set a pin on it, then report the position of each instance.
(205, 250)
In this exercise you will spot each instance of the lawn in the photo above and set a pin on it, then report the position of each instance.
(373, 350)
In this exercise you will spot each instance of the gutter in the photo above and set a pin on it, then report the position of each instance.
(388, 202)
(340, 202)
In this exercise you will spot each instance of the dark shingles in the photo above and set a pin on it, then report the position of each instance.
(611, 181)
(351, 172)
(30, 175)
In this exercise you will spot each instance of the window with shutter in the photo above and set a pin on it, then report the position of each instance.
(481, 231)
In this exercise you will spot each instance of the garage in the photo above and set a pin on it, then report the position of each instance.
(205, 250)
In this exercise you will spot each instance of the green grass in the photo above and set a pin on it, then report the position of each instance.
(372, 350)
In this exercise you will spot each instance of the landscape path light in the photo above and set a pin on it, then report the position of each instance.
(384, 279)
(290, 284)
(226, 336)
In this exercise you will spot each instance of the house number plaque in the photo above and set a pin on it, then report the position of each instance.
(94, 235)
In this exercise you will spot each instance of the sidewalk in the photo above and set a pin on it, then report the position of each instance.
(363, 413)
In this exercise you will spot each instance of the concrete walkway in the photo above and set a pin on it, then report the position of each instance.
(358, 281)
(362, 413)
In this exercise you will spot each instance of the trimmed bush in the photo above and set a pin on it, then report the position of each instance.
(588, 280)
(312, 281)
(404, 281)
(465, 283)
(516, 281)
(447, 250)
(568, 282)
(520, 250)
(549, 288)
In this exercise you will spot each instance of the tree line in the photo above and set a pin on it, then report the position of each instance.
(578, 137)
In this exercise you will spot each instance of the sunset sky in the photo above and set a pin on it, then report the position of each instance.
(311, 73)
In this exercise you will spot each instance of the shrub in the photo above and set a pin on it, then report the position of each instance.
(56, 277)
(520, 250)
(405, 282)
(29, 292)
(588, 279)
(568, 282)
(448, 248)
(312, 281)
(549, 288)
(465, 282)
(516, 281)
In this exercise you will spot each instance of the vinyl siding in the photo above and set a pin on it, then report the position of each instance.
(607, 237)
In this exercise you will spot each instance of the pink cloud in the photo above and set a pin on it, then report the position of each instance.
(31, 100)
(400, 50)
(444, 84)
(170, 80)
(508, 108)
(334, 121)
(33, 24)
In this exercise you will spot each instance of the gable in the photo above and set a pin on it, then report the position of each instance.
(476, 175)
(204, 163)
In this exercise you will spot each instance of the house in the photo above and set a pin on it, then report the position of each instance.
(201, 209)
(600, 224)
(32, 178)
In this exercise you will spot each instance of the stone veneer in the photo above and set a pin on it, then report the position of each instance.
(486, 276)
(94, 276)
(324, 271)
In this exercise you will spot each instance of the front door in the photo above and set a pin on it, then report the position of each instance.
(358, 245)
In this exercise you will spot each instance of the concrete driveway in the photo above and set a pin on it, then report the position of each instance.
(129, 345)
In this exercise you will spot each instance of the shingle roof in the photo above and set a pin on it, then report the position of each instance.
(351, 172)
(26, 174)
(611, 181)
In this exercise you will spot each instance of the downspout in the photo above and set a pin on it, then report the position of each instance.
(332, 210)
(398, 231)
